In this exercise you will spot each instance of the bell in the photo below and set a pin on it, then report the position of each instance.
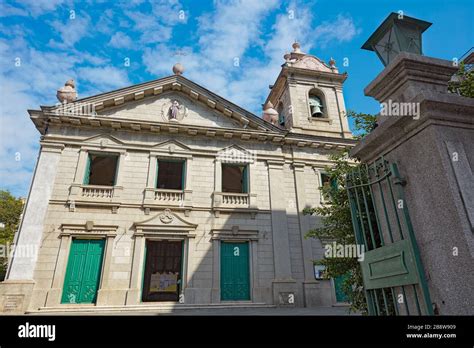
(316, 111)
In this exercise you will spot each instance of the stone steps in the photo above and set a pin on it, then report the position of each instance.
(161, 308)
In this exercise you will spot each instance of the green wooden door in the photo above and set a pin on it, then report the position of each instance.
(83, 271)
(235, 280)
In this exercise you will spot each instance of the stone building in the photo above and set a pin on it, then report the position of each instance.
(166, 192)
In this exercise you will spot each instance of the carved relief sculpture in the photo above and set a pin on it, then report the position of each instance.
(174, 111)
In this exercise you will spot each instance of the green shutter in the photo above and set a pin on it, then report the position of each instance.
(183, 177)
(116, 167)
(157, 167)
(245, 180)
(88, 170)
(281, 119)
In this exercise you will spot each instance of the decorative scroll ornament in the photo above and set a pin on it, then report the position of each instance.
(166, 217)
(174, 111)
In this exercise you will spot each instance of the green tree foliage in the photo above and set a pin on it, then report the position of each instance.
(336, 222)
(463, 82)
(10, 211)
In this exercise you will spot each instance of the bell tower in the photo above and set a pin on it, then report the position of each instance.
(307, 96)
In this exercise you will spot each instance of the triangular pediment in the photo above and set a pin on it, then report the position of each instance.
(172, 108)
(172, 146)
(236, 154)
(103, 140)
(173, 100)
(165, 220)
(311, 63)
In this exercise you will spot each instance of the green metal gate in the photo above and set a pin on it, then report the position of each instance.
(392, 271)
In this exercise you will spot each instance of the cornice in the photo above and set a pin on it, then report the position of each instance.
(277, 138)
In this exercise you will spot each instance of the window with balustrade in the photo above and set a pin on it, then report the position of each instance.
(234, 178)
(97, 179)
(171, 174)
(101, 169)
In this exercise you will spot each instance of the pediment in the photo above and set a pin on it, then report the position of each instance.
(236, 154)
(311, 63)
(103, 140)
(173, 108)
(171, 100)
(163, 221)
(171, 146)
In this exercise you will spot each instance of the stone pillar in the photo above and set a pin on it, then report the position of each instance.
(310, 285)
(216, 272)
(54, 294)
(217, 176)
(133, 294)
(81, 167)
(106, 295)
(341, 109)
(30, 232)
(151, 178)
(434, 152)
(283, 284)
(255, 286)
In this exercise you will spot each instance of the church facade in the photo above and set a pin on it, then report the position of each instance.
(165, 192)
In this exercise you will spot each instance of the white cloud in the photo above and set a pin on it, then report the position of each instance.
(169, 12)
(121, 40)
(40, 7)
(342, 29)
(7, 10)
(103, 78)
(106, 23)
(151, 30)
(231, 29)
(72, 30)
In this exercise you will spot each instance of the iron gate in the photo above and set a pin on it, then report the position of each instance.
(392, 272)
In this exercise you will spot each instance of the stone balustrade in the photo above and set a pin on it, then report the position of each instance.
(154, 197)
(172, 197)
(95, 195)
(97, 191)
(233, 200)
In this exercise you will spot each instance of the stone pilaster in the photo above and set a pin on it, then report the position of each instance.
(31, 230)
(284, 286)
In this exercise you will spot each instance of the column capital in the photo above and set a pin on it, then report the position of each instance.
(51, 147)
(273, 164)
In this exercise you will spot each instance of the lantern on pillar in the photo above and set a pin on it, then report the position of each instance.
(398, 33)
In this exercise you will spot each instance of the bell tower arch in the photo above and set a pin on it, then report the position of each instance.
(309, 96)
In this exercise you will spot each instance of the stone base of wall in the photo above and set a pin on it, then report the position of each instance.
(199, 296)
(318, 293)
(15, 296)
(132, 297)
(54, 297)
(111, 297)
(286, 294)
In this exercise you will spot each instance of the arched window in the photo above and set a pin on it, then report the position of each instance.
(316, 104)
(281, 116)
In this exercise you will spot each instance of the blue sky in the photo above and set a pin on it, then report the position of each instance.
(43, 43)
